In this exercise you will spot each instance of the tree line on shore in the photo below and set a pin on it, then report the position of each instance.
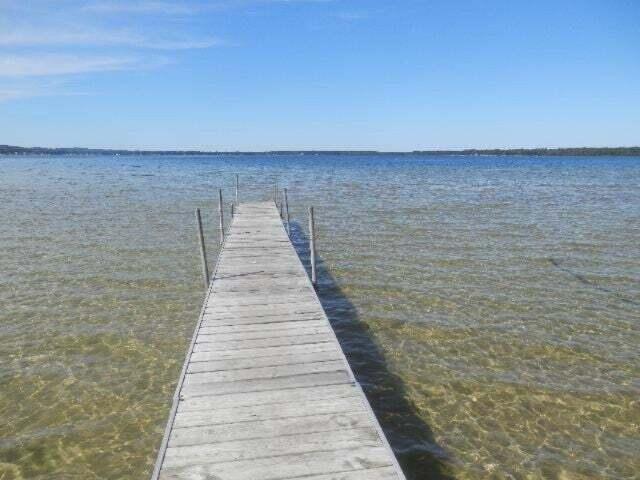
(574, 151)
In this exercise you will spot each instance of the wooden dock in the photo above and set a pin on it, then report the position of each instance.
(266, 392)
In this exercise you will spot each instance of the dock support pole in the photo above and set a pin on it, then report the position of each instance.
(221, 216)
(232, 212)
(203, 251)
(286, 211)
(275, 191)
(312, 246)
(281, 211)
(237, 188)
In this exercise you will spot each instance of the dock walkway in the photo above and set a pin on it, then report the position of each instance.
(266, 392)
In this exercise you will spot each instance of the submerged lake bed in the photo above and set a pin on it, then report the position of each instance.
(490, 306)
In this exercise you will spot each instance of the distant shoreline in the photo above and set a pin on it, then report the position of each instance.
(554, 152)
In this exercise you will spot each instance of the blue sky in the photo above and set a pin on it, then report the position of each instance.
(327, 74)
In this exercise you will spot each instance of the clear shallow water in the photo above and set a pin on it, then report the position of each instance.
(490, 306)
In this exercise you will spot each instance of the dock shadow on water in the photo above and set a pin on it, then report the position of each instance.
(411, 439)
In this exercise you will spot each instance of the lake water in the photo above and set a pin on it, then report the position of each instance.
(490, 306)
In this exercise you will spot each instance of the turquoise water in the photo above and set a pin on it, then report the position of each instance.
(489, 305)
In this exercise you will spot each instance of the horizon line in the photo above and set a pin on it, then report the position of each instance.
(625, 150)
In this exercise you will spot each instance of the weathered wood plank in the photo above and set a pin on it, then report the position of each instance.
(226, 313)
(212, 320)
(287, 466)
(276, 371)
(253, 413)
(268, 397)
(261, 327)
(271, 447)
(254, 335)
(263, 342)
(268, 361)
(240, 300)
(266, 285)
(262, 352)
(267, 428)
(261, 310)
(262, 384)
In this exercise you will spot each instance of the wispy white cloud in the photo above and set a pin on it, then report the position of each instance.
(42, 88)
(174, 8)
(42, 41)
(166, 8)
(7, 94)
(57, 64)
(82, 38)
